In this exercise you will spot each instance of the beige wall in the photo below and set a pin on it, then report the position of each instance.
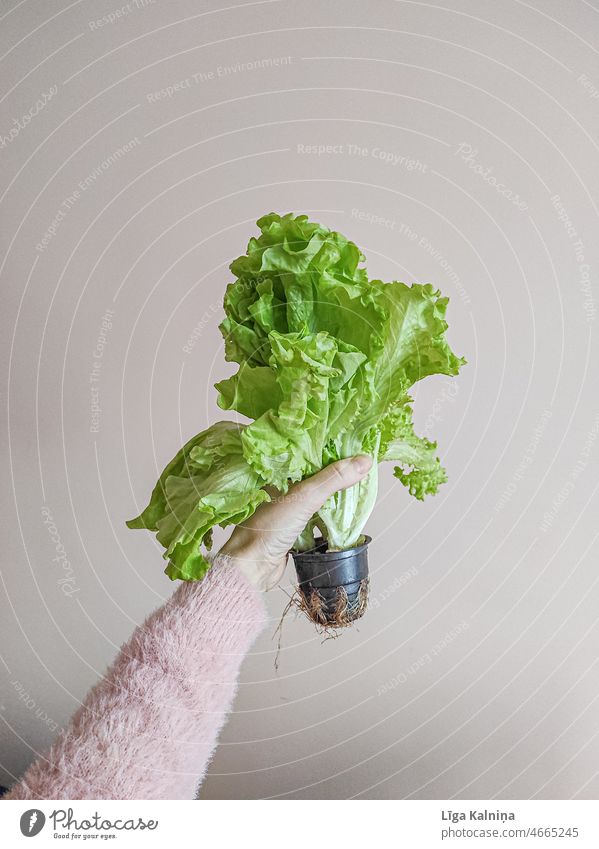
(473, 675)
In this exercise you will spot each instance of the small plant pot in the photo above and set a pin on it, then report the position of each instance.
(333, 585)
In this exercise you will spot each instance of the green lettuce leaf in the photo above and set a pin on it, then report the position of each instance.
(208, 483)
(420, 469)
(286, 442)
(414, 344)
(299, 277)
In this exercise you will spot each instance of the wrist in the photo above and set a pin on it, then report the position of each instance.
(242, 559)
(263, 572)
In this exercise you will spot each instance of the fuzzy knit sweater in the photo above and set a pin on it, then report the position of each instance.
(149, 728)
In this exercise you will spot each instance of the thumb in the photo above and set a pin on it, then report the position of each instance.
(312, 493)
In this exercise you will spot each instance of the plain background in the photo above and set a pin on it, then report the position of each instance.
(445, 131)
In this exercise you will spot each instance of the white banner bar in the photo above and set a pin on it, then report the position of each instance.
(291, 824)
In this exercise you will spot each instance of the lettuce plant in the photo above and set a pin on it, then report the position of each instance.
(326, 358)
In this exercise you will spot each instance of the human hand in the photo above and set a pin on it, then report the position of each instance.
(259, 547)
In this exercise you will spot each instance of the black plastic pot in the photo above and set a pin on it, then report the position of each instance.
(333, 584)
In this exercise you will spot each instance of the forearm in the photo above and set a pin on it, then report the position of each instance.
(149, 728)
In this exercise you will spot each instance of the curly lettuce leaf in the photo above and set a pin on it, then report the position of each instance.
(286, 442)
(414, 344)
(420, 469)
(251, 391)
(208, 483)
(299, 277)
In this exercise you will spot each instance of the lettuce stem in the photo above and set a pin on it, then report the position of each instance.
(346, 513)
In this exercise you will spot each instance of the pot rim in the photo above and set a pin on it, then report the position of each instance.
(318, 551)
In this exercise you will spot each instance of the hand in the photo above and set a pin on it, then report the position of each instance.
(260, 546)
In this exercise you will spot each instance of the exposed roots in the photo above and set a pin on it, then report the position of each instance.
(328, 623)
(316, 608)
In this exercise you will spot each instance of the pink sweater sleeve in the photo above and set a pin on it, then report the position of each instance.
(148, 729)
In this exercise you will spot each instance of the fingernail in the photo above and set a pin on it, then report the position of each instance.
(362, 463)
